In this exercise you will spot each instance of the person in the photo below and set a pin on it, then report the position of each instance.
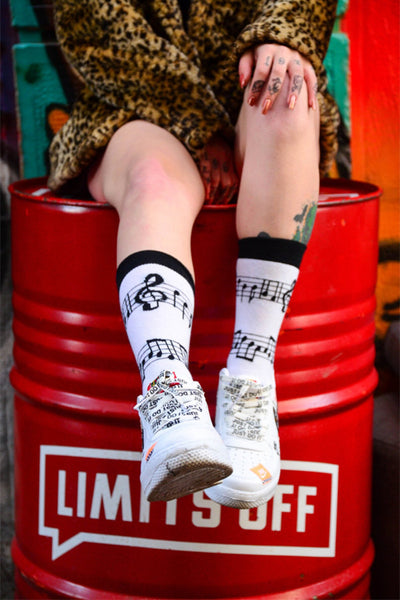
(185, 103)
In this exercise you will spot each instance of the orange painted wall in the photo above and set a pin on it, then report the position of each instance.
(373, 30)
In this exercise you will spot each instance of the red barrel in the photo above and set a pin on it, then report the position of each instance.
(83, 530)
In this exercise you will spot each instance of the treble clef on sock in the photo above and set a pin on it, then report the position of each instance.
(151, 298)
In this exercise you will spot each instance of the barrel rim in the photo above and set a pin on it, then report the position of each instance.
(355, 192)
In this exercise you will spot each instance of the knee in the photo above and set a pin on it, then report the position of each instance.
(287, 126)
(147, 176)
(143, 164)
(153, 183)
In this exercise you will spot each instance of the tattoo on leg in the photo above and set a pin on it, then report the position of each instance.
(257, 86)
(299, 218)
(305, 221)
(275, 85)
(263, 234)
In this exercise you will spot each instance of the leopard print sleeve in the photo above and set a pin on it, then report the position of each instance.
(303, 25)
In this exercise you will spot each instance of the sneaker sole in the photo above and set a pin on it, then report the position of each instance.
(186, 473)
(230, 497)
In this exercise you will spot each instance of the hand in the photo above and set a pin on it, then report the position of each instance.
(265, 67)
(218, 172)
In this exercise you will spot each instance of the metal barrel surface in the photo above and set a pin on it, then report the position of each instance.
(83, 529)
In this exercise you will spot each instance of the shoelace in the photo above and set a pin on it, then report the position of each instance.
(171, 403)
(247, 413)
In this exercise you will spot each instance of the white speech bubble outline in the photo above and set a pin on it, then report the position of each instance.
(117, 540)
(60, 549)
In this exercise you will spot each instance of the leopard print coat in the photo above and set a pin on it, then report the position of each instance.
(137, 60)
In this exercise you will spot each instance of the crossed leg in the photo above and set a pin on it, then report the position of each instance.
(154, 184)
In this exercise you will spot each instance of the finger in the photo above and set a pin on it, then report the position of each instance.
(229, 183)
(230, 193)
(295, 71)
(311, 81)
(260, 76)
(246, 64)
(275, 82)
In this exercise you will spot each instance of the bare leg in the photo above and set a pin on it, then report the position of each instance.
(152, 181)
(154, 184)
(277, 155)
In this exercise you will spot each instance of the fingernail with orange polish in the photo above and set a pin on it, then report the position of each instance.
(292, 101)
(252, 101)
(242, 81)
(266, 106)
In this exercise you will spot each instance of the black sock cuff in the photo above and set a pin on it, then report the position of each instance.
(289, 252)
(155, 257)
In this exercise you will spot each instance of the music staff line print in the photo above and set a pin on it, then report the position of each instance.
(271, 290)
(153, 291)
(249, 345)
(150, 293)
(159, 348)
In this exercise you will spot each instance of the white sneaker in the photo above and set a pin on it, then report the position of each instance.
(247, 420)
(182, 452)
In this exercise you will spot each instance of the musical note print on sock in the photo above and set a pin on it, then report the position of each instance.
(159, 348)
(150, 293)
(148, 297)
(250, 345)
(257, 288)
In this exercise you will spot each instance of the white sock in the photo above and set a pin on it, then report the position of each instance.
(267, 271)
(156, 294)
